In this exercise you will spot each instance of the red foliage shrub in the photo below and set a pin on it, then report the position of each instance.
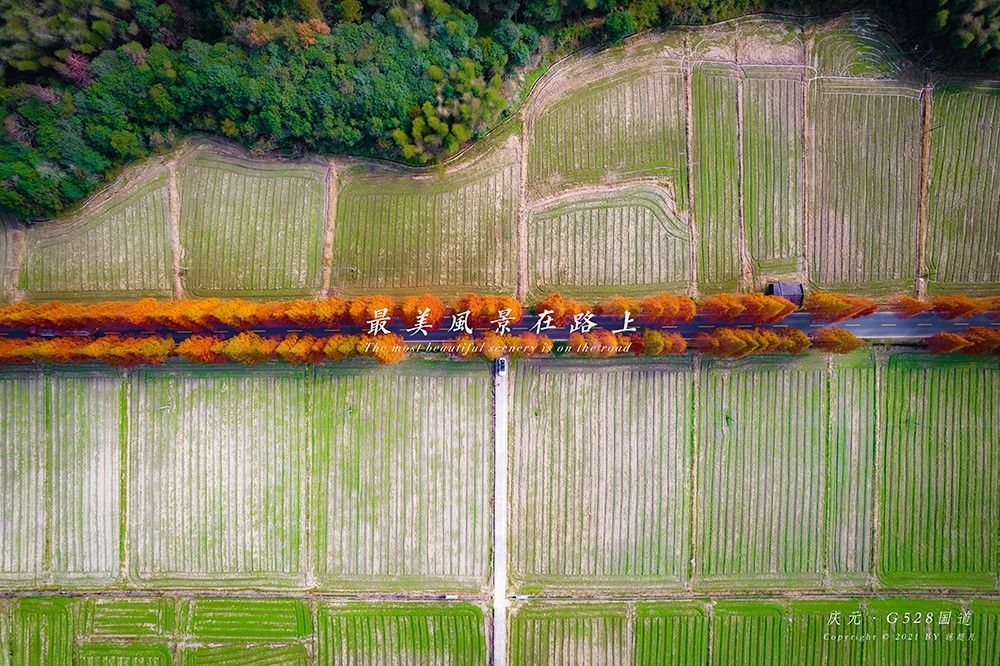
(976, 340)
(955, 307)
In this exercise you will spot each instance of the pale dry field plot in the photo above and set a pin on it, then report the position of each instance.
(806, 475)
(446, 231)
(9, 230)
(266, 478)
(600, 475)
(402, 464)
(118, 247)
(250, 227)
(704, 159)
(569, 245)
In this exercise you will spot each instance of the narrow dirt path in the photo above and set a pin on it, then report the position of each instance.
(926, 118)
(689, 135)
(522, 208)
(329, 227)
(175, 227)
(746, 269)
(20, 246)
(805, 180)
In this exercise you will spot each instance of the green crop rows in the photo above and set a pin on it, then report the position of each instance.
(867, 184)
(771, 471)
(769, 633)
(234, 630)
(964, 178)
(773, 200)
(630, 124)
(717, 174)
(181, 478)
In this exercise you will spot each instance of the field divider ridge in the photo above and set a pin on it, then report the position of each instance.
(174, 218)
(688, 70)
(329, 227)
(926, 119)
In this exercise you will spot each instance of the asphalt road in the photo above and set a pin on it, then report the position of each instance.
(880, 326)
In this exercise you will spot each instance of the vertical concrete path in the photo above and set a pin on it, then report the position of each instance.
(500, 394)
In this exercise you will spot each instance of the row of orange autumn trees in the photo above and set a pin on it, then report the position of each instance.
(664, 309)
(203, 316)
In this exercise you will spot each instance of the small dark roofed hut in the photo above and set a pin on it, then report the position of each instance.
(793, 291)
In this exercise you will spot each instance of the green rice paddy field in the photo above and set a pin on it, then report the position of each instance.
(869, 481)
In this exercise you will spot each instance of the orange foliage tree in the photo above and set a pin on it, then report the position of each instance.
(720, 307)
(129, 351)
(383, 348)
(485, 309)
(54, 350)
(616, 306)
(828, 306)
(493, 345)
(300, 349)
(362, 310)
(532, 344)
(908, 306)
(563, 309)
(599, 342)
(464, 346)
(660, 343)
(741, 342)
(836, 340)
(666, 309)
(412, 307)
(337, 347)
(764, 309)
(757, 307)
(201, 349)
(955, 307)
(945, 343)
(976, 340)
(248, 348)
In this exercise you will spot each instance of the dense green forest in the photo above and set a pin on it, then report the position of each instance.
(90, 85)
